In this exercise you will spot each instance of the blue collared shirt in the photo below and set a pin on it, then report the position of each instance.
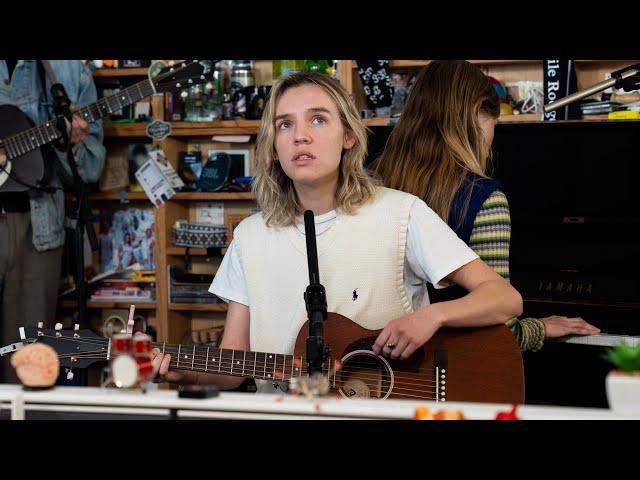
(24, 91)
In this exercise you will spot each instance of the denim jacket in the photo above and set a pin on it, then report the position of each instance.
(25, 92)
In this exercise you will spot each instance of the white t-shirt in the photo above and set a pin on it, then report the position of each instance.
(433, 251)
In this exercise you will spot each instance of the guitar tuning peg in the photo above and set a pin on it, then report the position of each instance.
(178, 85)
(40, 325)
(190, 81)
(201, 77)
(70, 375)
(58, 326)
(76, 326)
(183, 64)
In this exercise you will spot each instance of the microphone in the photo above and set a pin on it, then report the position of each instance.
(627, 78)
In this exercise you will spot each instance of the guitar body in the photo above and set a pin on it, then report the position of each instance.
(29, 168)
(472, 364)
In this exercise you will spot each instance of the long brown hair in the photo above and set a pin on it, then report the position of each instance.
(274, 191)
(438, 139)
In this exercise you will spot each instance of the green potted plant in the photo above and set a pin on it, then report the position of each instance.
(623, 383)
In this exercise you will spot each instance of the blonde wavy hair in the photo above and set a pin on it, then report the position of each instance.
(438, 139)
(275, 192)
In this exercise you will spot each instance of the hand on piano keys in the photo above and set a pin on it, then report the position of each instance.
(558, 326)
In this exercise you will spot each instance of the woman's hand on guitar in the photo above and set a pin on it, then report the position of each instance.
(161, 371)
(79, 129)
(403, 336)
(558, 326)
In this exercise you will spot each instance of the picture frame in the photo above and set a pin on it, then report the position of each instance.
(235, 155)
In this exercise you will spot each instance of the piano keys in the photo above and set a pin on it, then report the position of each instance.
(600, 340)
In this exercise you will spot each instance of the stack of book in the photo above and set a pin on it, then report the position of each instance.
(187, 287)
(127, 286)
(598, 108)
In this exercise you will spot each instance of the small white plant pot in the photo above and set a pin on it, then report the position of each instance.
(623, 392)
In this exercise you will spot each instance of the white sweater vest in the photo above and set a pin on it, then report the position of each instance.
(361, 263)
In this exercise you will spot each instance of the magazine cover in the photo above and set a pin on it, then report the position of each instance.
(128, 237)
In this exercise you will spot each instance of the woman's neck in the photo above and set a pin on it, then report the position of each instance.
(320, 199)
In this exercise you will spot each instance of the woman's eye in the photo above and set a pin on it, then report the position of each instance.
(284, 124)
(319, 120)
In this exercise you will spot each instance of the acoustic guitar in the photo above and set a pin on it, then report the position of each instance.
(456, 364)
(22, 162)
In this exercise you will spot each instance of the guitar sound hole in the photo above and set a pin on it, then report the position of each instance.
(365, 375)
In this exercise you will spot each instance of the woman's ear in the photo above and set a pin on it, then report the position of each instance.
(349, 140)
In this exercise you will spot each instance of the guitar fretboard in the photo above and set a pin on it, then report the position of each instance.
(34, 138)
(224, 361)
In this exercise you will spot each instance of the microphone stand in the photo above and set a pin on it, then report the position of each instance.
(79, 213)
(627, 78)
(316, 302)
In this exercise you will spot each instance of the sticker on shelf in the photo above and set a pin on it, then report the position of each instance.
(158, 130)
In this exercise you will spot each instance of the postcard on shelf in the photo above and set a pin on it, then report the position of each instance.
(210, 213)
(167, 170)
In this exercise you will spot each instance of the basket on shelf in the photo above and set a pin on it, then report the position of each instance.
(199, 235)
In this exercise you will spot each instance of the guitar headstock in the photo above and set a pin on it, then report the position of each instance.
(184, 75)
(75, 348)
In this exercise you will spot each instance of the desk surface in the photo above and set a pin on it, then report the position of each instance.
(276, 406)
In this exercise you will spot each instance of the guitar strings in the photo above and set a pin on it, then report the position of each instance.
(372, 377)
(226, 363)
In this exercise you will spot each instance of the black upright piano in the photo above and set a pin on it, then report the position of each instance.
(575, 243)
(573, 190)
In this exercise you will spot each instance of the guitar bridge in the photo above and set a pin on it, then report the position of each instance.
(440, 373)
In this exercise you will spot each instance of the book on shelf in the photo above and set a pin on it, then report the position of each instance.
(186, 287)
(196, 300)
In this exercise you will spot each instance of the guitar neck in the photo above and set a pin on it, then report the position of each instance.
(238, 363)
(34, 138)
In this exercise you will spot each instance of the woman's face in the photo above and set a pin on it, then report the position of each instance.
(487, 125)
(309, 136)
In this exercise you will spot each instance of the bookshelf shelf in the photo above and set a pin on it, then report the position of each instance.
(120, 72)
(124, 130)
(116, 196)
(213, 196)
(107, 304)
(192, 251)
(198, 307)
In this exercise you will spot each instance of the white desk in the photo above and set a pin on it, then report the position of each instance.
(166, 403)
